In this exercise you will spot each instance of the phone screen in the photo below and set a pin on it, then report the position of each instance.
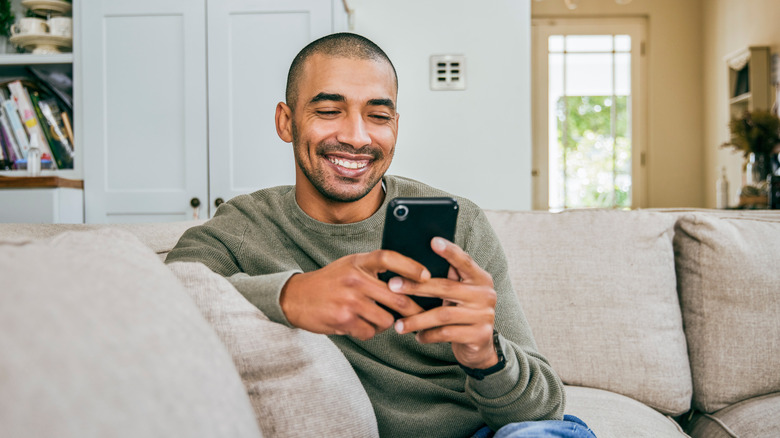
(410, 225)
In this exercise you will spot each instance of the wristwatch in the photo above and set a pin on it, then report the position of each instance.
(480, 374)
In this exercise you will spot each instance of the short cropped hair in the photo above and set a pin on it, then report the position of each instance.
(345, 45)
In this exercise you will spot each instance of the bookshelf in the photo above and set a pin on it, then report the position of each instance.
(15, 65)
(749, 80)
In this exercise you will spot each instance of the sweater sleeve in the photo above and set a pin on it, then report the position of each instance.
(527, 388)
(221, 245)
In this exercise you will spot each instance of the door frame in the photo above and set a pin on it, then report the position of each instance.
(541, 29)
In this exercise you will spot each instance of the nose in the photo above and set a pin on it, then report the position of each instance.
(354, 132)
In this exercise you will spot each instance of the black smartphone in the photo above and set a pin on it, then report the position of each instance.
(410, 225)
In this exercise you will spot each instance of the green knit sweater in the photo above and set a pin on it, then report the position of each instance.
(260, 240)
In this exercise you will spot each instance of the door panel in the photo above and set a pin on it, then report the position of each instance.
(251, 46)
(145, 107)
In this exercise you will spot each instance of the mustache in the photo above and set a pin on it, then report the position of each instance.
(327, 148)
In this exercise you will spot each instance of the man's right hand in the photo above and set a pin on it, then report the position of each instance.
(342, 298)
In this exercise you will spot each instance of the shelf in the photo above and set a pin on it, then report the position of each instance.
(30, 59)
(39, 182)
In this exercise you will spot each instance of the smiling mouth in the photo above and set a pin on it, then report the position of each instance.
(348, 164)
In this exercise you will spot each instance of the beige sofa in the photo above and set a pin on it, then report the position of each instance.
(659, 322)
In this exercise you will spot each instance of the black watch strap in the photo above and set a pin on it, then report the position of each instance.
(480, 374)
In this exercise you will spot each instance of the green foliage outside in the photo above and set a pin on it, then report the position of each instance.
(595, 166)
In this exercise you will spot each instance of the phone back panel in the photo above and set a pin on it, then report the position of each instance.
(411, 224)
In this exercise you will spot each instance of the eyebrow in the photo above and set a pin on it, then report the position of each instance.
(323, 97)
(335, 97)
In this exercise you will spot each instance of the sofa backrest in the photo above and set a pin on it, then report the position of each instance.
(728, 270)
(599, 291)
(160, 237)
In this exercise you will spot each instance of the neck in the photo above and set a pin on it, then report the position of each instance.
(325, 210)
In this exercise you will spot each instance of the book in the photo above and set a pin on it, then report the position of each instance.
(17, 129)
(8, 137)
(28, 116)
(9, 156)
(50, 119)
(68, 128)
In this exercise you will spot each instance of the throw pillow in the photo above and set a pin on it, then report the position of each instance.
(598, 289)
(299, 382)
(729, 284)
(98, 338)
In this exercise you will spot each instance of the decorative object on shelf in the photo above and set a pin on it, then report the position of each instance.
(53, 34)
(48, 7)
(754, 196)
(722, 190)
(41, 44)
(756, 133)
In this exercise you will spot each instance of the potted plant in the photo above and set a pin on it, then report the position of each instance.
(757, 135)
(7, 19)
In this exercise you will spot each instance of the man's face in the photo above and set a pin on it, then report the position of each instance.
(344, 125)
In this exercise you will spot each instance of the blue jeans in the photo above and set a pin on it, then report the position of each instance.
(570, 427)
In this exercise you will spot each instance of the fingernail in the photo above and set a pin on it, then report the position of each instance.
(395, 284)
(399, 327)
(425, 275)
(439, 243)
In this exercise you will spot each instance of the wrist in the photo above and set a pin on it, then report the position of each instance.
(492, 366)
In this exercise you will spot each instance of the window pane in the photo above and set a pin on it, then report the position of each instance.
(623, 74)
(589, 74)
(622, 43)
(555, 43)
(588, 151)
(589, 43)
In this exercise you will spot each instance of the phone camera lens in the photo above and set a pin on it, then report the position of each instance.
(401, 212)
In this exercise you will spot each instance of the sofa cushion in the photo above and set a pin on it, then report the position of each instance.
(755, 418)
(298, 381)
(611, 415)
(599, 291)
(729, 285)
(98, 338)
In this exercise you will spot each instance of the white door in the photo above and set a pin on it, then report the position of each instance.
(251, 44)
(588, 117)
(145, 135)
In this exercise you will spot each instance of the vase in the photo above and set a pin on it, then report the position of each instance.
(759, 167)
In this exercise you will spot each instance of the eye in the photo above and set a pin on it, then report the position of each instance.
(380, 117)
(327, 112)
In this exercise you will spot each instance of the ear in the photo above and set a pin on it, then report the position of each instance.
(284, 122)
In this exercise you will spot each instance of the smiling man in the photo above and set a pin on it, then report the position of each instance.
(308, 256)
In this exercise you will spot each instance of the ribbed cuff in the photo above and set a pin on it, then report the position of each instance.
(502, 382)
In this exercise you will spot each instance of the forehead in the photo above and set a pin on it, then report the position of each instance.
(361, 79)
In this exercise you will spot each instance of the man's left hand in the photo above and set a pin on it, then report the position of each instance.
(467, 315)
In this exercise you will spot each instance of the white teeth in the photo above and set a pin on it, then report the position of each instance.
(348, 163)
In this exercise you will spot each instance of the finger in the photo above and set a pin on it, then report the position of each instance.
(400, 303)
(445, 316)
(452, 274)
(383, 260)
(470, 295)
(467, 269)
(456, 334)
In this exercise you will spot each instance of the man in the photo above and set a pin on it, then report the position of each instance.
(307, 256)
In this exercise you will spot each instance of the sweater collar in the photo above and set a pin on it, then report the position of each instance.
(372, 223)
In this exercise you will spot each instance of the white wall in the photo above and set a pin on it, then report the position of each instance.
(474, 143)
